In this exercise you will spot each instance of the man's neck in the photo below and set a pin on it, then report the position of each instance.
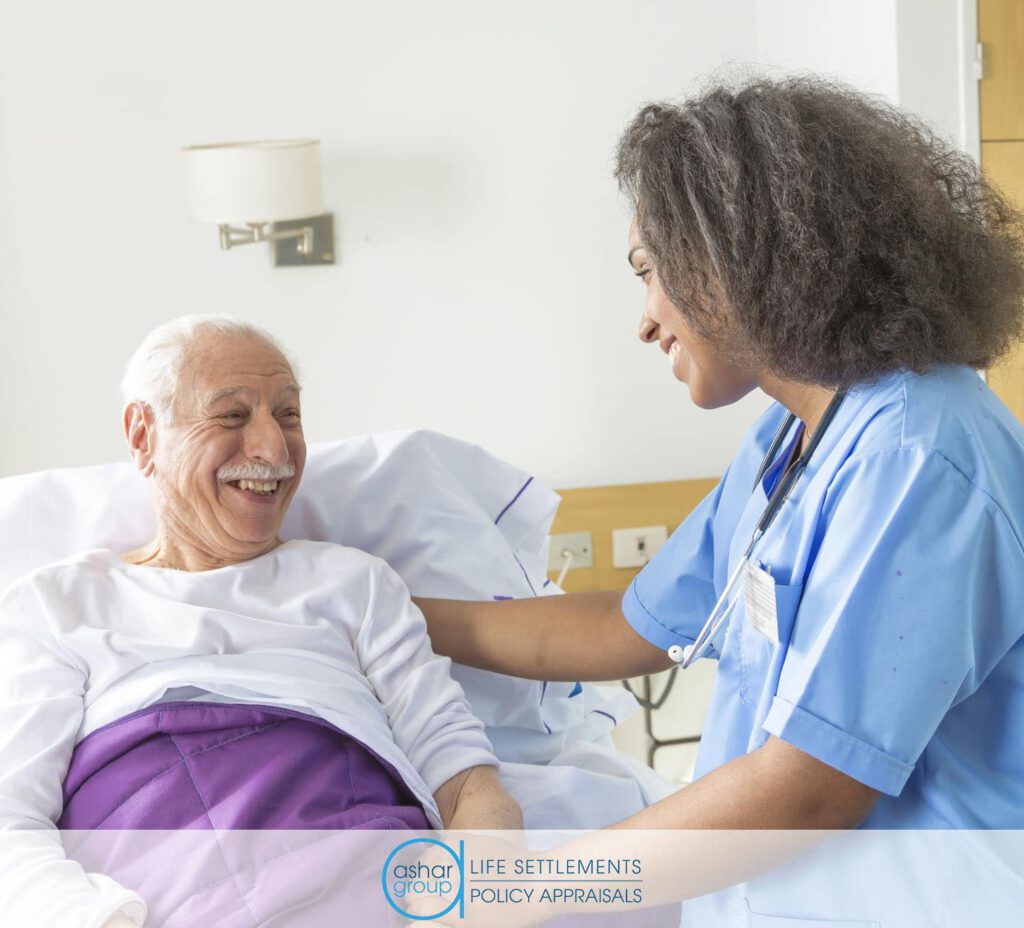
(168, 552)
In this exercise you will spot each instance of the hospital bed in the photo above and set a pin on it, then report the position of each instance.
(454, 522)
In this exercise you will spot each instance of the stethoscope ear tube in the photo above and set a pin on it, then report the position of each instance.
(773, 449)
(777, 501)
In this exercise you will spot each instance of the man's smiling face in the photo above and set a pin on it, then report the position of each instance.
(230, 457)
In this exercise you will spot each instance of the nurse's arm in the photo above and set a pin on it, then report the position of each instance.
(578, 636)
(775, 787)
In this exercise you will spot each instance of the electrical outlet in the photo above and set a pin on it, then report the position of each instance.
(579, 544)
(634, 547)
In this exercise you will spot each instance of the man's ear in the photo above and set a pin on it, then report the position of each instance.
(140, 432)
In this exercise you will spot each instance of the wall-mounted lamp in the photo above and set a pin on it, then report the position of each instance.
(263, 192)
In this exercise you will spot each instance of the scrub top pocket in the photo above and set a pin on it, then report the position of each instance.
(760, 660)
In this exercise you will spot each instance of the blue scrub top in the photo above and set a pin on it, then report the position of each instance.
(899, 579)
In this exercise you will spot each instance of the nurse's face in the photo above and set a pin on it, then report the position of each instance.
(712, 380)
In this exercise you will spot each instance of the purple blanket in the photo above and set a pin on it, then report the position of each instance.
(210, 765)
(237, 815)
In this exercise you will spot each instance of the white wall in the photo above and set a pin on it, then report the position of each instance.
(935, 51)
(482, 287)
(852, 41)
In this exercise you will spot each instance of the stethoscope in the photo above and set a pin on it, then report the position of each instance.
(684, 657)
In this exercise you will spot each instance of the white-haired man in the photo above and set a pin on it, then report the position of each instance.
(304, 661)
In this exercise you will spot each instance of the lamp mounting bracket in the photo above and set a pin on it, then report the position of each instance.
(289, 250)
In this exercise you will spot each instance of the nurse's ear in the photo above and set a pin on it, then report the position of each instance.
(139, 424)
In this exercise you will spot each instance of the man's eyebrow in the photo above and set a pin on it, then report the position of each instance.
(225, 394)
(292, 388)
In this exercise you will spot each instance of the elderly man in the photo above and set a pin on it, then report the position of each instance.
(218, 677)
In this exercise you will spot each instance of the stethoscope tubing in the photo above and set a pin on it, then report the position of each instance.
(688, 655)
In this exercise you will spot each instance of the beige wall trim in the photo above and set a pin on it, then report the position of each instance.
(599, 510)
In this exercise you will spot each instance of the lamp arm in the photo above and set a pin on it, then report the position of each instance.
(230, 235)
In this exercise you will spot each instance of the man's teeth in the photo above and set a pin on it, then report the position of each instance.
(257, 486)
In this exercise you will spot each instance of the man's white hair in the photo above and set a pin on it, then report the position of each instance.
(154, 371)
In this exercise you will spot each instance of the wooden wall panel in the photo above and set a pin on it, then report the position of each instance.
(598, 510)
(1003, 162)
(1001, 31)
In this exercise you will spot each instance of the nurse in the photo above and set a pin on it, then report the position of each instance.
(798, 237)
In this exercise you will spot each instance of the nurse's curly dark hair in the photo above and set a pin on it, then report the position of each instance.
(822, 234)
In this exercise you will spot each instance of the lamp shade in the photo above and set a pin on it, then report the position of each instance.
(269, 181)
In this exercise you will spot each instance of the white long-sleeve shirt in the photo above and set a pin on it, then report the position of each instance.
(320, 628)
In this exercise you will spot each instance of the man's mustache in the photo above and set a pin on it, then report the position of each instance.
(261, 472)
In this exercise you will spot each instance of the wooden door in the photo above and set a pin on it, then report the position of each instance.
(1001, 31)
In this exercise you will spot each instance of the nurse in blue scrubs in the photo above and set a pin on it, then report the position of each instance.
(863, 554)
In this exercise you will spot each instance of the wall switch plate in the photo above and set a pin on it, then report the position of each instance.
(634, 547)
(580, 544)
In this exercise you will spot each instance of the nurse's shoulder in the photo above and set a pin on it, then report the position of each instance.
(953, 412)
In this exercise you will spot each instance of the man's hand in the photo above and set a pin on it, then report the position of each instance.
(475, 799)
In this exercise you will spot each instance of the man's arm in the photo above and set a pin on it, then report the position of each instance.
(475, 799)
(42, 700)
(579, 636)
(430, 719)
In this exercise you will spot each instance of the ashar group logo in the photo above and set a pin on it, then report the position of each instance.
(437, 875)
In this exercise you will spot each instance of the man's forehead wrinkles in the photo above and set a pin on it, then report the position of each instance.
(243, 374)
(230, 392)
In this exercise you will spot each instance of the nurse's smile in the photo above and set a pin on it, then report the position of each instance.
(713, 379)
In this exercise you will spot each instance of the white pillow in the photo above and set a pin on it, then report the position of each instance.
(452, 519)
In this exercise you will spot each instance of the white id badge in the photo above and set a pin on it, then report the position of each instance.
(759, 601)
